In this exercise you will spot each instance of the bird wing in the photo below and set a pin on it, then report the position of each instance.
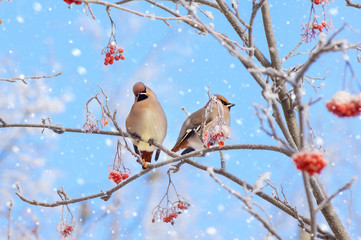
(191, 125)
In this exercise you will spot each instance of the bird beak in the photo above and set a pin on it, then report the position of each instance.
(231, 105)
(142, 93)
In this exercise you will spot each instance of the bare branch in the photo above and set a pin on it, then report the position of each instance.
(223, 161)
(290, 54)
(279, 204)
(247, 207)
(351, 4)
(185, 110)
(9, 218)
(307, 185)
(151, 16)
(328, 200)
(328, 211)
(22, 78)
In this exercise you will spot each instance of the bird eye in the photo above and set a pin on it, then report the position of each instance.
(224, 103)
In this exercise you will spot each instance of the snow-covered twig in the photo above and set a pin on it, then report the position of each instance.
(247, 205)
(22, 78)
(9, 218)
(327, 200)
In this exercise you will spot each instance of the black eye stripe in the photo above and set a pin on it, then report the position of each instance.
(223, 102)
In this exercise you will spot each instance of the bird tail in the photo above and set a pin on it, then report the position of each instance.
(146, 156)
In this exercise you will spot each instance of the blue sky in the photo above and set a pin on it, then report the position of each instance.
(46, 37)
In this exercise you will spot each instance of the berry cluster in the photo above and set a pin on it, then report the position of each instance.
(66, 230)
(312, 29)
(117, 176)
(169, 214)
(319, 26)
(317, 2)
(73, 1)
(343, 104)
(169, 218)
(182, 205)
(112, 53)
(216, 134)
(311, 162)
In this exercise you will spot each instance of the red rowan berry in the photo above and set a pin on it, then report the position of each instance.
(125, 176)
(324, 23)
(122, 57)
(116, 57)
(112, 51)
(120, 50)
(111, 46)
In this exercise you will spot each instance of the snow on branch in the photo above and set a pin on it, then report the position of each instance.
(23, 78)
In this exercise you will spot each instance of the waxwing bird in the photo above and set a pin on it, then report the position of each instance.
(146, 120)
(189, 136)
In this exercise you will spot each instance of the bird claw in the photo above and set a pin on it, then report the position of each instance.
(135, 136)
(151, 142)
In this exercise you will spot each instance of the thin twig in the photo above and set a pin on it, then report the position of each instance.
(351, 4)
(22, 78)
(328, 200)
(185, 110)
(9, 218)
(247, 207)
(223, 160)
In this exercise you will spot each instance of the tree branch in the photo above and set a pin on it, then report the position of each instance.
(328, 211)
(328, 200)
(351, 4)
(22, 78)
(285, 101)
(279, 204)
(247, 207)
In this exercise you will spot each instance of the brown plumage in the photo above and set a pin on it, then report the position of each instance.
(146, 120)
(189, 134)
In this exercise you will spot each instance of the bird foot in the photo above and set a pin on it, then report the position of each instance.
(151, 142)
(135, 136)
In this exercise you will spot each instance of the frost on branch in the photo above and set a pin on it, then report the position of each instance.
(92, 123)
(170, 210)
(118, 171)
(309, 161)
(343, 104)
(219, 131)
(66, 226)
